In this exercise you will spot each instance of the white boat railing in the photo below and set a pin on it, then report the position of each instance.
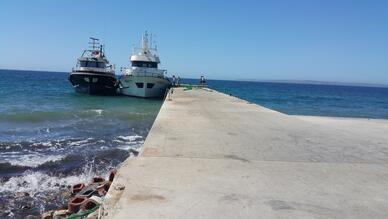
(143, 73)
(155, 75)
(103, 70)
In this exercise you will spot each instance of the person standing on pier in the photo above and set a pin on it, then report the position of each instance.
(173, 81)
(202, 81)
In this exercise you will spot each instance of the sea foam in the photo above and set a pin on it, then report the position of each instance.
(31, 160)
(38, 182)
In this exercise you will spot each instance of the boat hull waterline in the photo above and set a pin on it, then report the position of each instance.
(94, 83)
(146, 87)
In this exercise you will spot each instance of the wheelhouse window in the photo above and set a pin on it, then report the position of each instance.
(83, 63)
(139, 85)
(101, 64)
(91, 64)
(145, 64)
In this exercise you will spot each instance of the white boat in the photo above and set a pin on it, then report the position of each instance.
(143, 78)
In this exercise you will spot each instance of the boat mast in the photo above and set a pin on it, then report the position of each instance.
(94, 44)
(144, 42)
(151, 40)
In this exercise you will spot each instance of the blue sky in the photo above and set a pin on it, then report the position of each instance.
(345, 41)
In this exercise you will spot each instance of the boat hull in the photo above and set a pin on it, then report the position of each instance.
(94, 83)
(143, 86)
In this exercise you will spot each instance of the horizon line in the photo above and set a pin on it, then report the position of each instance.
(284, 81)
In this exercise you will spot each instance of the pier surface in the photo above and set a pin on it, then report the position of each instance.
(209, 155)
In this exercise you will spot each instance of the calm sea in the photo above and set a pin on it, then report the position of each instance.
(308, 99)
(52, 137)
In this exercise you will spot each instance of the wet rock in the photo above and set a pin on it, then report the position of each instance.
(60, 213)
(48, 215)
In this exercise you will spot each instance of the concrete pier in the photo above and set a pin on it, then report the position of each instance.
(209, 155)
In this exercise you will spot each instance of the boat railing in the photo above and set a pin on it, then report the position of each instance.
(128, 71)
(104, 70)
(143, 74)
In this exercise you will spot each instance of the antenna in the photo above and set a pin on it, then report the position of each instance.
(151, 40)
(144, 40)
(154, 42)
(94, 44)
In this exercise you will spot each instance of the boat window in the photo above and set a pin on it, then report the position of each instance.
(92, 64)
(150, 85)
(140, 85)
(144, 64)
(86, 79)
(101, 64)
(82, 63)
(95, 80)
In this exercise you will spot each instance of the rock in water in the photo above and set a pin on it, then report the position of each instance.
(48, 215)
(60, 213)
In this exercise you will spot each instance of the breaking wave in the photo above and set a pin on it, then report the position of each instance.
(31, 160)
(54, 137)
(64, 155)
(37, 182)
(37, 192)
